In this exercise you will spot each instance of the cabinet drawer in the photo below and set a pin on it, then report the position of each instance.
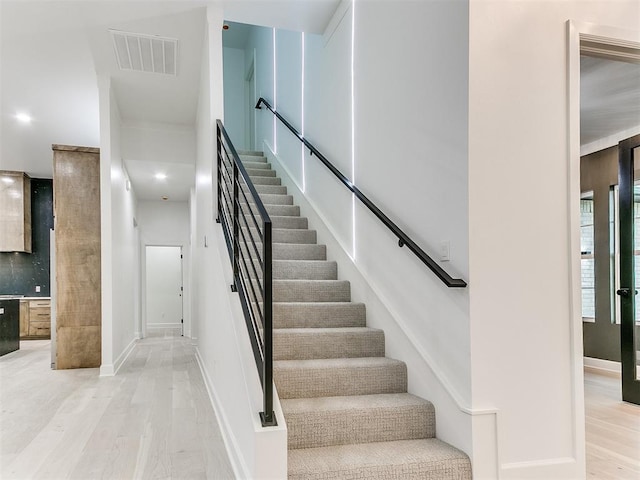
(40, 303)
(39, 314)
(39, 329)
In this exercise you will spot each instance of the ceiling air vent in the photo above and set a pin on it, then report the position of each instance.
(145, 53)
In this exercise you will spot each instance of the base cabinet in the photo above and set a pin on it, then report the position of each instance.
(35, 319)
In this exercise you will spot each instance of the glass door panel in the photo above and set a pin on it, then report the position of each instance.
(629, 212)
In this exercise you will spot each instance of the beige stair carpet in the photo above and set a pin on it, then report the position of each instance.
(346, 405)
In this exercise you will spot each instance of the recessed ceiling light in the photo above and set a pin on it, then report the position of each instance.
(164, 197)
(160, 176)
(23, 117)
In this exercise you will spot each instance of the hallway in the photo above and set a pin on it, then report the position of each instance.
(153, 420)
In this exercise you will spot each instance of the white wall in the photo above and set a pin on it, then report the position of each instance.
(120, 256)
(523, 329)
(223, 349)
(167, 223)
(234, 101)
(260, 43)
(158, 142)
(405, 144)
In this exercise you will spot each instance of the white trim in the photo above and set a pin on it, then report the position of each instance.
(231, 444)
(608, 142)
(111, 370)
(545, 468)
(614, 37)
(164, 325)
(603, 367)
(336, 19)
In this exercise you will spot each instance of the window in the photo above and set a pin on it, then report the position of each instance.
(587, 258)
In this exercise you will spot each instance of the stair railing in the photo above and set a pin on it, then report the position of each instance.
(247, 232)
(403, 238)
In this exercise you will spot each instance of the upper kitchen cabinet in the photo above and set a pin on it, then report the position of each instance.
(15, 212)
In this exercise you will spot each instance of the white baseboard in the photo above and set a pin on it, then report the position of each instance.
(237, 462)
(110, 370)
(602, 367)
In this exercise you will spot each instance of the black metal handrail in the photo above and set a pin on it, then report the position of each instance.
(247, 226)
(403, 238)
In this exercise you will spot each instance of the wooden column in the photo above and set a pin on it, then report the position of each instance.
(76, 204)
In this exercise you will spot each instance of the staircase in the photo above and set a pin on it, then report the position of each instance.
(346, 405)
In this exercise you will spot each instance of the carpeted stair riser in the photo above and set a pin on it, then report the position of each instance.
(300, 270)
(318, 315)
(336, 377)
(424, 459)
(279, 221)
(293, 251)
(305, 270)
(250, 155)
(310, 343)
(326, 421)
(268, 189)
(311, 291)
(266, 181)
(286, 235)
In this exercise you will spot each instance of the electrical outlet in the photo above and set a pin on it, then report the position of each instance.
(37, 288)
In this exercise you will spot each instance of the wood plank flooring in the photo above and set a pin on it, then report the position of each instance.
(151, 421)
(612, 430)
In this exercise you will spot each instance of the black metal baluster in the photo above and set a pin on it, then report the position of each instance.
(267, 416)
(236, 225)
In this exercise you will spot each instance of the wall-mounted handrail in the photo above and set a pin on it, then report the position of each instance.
(252, 266)
(403, 238)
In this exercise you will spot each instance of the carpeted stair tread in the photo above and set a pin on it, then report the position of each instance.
(339, 376)
(311, 291)
(325, 421)
(423, 459)
(318, 315)
(256, 165)
(283, 210)
(314, 343)
(286, 235)
(270, 199)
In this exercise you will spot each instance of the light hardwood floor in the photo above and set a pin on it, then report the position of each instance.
(612, 430)
(152, 420)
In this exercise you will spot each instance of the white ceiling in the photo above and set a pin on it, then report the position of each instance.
(609, 98)
(52, 51)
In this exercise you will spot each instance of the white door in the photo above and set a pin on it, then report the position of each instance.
(163, 287)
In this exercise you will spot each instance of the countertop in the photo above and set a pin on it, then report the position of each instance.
(20, 297)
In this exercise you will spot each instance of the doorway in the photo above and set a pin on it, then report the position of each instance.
(164, 288)
(599, 312)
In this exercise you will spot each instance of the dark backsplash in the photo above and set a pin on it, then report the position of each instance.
(21, 272)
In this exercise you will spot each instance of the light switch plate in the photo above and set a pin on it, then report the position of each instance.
(445, 252)
(37, 288)
(1, 311)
